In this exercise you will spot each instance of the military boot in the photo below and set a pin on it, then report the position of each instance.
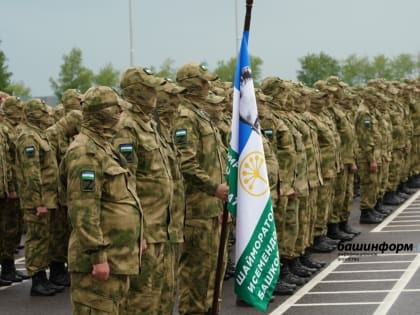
(347, 228)
(283, 288)
(335, 233)
(369, 216)
(287, 276)
(59, 274)
(391, 198)
(408, 190)
(308, 261)
(379, 207)
(8, 271)
(5, 283)
(298, 269)
(321, 246)
(40, 285)
(414, 182)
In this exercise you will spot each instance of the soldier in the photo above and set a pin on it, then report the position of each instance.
(60, 136)
(37, 193)
(104, 210)
(147, 155)
(12, 219)
(168, 100)
(203, 167)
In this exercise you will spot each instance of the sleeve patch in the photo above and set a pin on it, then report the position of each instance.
(268, 133)
(181, 135)
(127, 151)
(366, 122)
(87, 180)
(30, 151)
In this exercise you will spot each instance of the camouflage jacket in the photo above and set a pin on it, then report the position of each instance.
(367, 135)
(38, 179)
(148, 159)
(8, 138)
(103, 207)
(202, 161)
(272, 171)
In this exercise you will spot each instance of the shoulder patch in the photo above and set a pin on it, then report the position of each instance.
(268, 133)
(366, 122)
(126, 150)
(180, 135)
(87, 180)
(30, 151)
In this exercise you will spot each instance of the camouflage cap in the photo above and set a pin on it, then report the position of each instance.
(335, 80)
(271, 84)
(71, 95)
(34, 105)
(171, 88)
(140, 75)
(11, 104)
(98, 98)
(214, 99)
(262, 97)
(324, 86)
(194, 70)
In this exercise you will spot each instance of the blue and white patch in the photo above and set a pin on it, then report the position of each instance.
(268, 133)
(30, 151)
(127, 150)
(366, 122)
(87, 179)
(180, 135)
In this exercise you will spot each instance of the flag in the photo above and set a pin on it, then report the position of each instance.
(257, 257)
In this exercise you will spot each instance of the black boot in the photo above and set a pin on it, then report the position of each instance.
(5, 283)
(308, 261)
(414, 182)
(368, 216)
(59, 274)
(346, 227)
(298, 269)
(391, 198)
(321, 246)
(283, 288)
(40, 285)
(335, 233)
(8, 271)
(379, 207)
(287, 276)
(407, 190)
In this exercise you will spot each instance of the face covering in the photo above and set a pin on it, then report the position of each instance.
(103, 121)
(143, 98)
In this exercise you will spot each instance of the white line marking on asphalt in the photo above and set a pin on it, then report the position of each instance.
(410, 221)
(390, 299)
(364, 280)
(401, 225)
(366, 271)
(377, 262)
(334, 304)
(395, 213)
(392, 231)
(306, 288)
(408, 215)
(361, 291)
(20, 260)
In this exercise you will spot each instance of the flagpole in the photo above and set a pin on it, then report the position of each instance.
(223, 232)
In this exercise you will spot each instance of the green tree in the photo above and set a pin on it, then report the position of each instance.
(166, 69)
(107, 76)
(316, 67)
(4, 73)
(382, 67)
(403, 66)
(73, 75)
(225, 70)
(356, 70)
(19, 89)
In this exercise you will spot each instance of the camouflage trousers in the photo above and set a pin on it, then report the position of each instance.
(383, 178)
(37, 241)
(344, 213)
(170, 284)
(313, 210)
(303, 226)
(290, 229)
(60, 234)
(279, 214)
(11, 227)
(324, 204)
(93, 297)
(369, 186)
(145, 291)
(415, 155)
(340, 191)
(395, 169)
(198, 265)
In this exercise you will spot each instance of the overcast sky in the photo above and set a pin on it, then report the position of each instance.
(36, 34)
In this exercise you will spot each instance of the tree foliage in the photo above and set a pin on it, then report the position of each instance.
(19, 89)
(316, 67)
(5, 75)
(166, 69)
(107, 76)
(73, 75)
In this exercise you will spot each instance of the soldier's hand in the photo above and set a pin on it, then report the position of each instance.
(41, 211)
(353, 168)
(143, 246)
(292, 196)
(222, 191)
(101, 271)
(12, 195)
(373, 167)
(341, 167)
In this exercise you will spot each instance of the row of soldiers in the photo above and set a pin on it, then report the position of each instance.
(146, 170)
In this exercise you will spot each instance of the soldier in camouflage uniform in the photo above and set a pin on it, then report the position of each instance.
(203, 167)
(12, 218)
(37, 192)
(168, 100)
(60, 136)
(147, 154)
(104, 210)
(369, 153)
